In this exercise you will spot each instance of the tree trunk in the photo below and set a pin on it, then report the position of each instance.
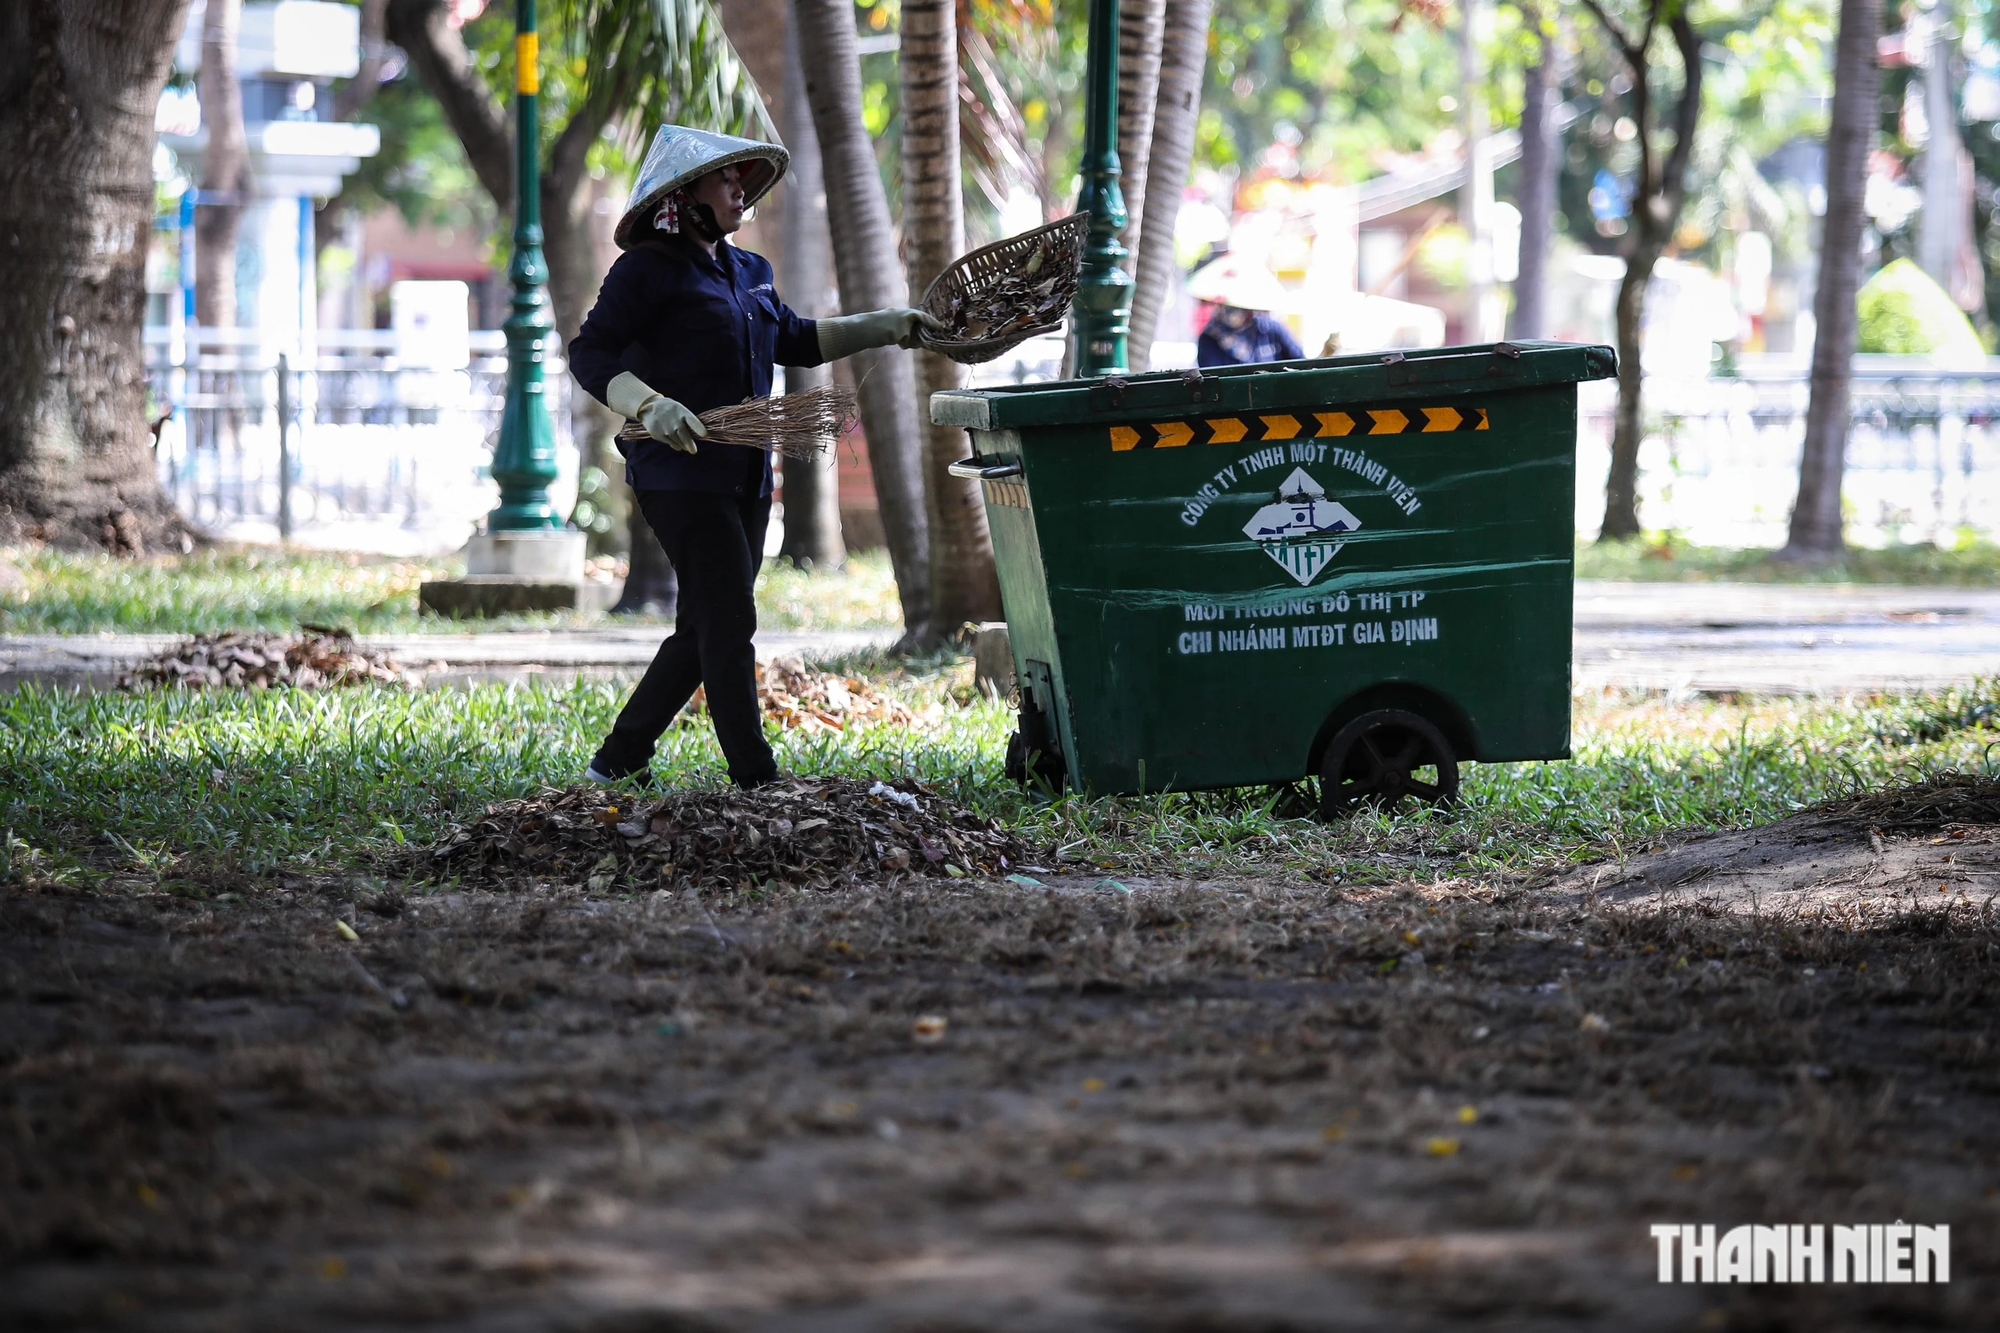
(1183, 58)
(79, 81)
(812, 487)
(870, 278)
(1541, 157)
(1816, 530)
(1656, 211)
(1621, 486)
(225, 175)
(1141, 24)
(352, 96)
(964, 584)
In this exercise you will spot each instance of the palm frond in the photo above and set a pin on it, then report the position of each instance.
(663, 60)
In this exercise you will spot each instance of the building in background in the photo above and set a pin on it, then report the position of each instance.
(288, 55)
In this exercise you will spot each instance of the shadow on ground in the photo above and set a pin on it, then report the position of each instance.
(1240, 1105)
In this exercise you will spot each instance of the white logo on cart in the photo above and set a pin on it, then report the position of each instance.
(1294, 530)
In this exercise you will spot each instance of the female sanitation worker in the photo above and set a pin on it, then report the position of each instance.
(1242, 331)
(684, 323)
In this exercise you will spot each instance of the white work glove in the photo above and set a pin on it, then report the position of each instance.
(664, 419)
(849, 334)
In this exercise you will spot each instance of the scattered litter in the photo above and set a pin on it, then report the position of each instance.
(798, 697)
(1115, 886)
(888, 793)
(1595, 1023)
(346, 931)
(1441, 1147)
(928, 1030)
(1026, 881)
(316, 659)
(820, 833)
(1468, 1115)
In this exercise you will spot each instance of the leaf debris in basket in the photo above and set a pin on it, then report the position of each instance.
(816, 833)
(797, 425)
(1015, 301)
(1000, 294)
(803, 698)
(315, 659)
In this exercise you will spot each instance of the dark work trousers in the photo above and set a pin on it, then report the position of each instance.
(716, 543)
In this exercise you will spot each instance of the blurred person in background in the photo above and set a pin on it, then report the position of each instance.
(1242, 329)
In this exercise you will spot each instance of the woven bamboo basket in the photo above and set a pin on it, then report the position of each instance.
(979, 278)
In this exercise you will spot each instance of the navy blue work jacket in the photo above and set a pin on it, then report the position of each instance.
(704, 332)
(1264, 338)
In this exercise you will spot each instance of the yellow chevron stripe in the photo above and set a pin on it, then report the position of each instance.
(1389, 422)
(1227, 430)
(1334, 423)
(1123, 438)
(1173, 434)
(1280, 428)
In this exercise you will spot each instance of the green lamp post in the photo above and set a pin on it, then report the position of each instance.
(1104, 295)
(524, 460)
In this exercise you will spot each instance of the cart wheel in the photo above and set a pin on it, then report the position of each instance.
(1381, 757)
(1032, 757)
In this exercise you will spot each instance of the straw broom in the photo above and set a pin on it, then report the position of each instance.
(798, 425)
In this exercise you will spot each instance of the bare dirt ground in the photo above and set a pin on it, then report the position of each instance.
(1222, 1106)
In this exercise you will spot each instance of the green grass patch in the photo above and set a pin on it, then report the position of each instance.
(188, 789)
(248, 588)
(1665, 557)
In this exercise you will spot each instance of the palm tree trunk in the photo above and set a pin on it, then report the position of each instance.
(1140, 26)
(964, 584)
(1541, 153)
(865, 261)
(79, 81)
(1183, 58)
(1816, 529)
(812, 487)
(226, 172)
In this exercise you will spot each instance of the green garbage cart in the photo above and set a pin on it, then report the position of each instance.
(1356, 568)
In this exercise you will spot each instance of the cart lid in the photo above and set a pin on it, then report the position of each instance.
(1373, 378)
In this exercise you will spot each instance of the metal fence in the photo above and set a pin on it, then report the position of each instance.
(349, 445)
(1721, 455)
(364, 449)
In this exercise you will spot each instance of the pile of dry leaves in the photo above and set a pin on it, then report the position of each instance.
(316, 659)
(798, 696)
(818, 833)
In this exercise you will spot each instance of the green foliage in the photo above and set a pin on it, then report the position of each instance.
(1905, 313)
(1664, 557)
(1348, 81)
(1766, 78)
(214, 591)
(191, 787)
(422, 171)
(648, 61)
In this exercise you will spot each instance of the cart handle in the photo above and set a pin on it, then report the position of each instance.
(975, 469)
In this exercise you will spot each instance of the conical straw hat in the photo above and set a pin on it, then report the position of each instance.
(680, 156)
(1235, 281)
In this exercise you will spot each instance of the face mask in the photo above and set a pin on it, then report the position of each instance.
(680, 208)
